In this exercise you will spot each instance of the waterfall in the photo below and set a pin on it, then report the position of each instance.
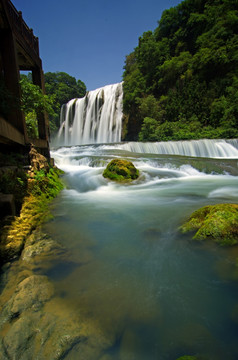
(95, 118)
(212, 148)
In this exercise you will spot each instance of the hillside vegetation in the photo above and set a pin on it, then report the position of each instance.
(181, 81)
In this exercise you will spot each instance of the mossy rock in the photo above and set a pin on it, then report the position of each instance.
(121, 170)
(217, 222)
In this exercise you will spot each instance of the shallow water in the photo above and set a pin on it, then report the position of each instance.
(152, 292)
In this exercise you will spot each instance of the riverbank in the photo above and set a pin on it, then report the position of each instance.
(26, 255)
(33, 187)
(35, 320)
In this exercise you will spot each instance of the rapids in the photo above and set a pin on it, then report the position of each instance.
(149, 291)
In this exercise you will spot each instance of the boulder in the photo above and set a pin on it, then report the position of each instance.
(31, 293)
(121, 170)
(216, 222)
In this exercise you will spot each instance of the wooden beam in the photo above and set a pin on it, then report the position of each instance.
(12, 78)
(8, 133)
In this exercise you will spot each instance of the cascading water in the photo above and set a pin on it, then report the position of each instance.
(96, 118)
(211, 148)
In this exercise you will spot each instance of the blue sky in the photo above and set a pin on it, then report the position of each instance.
(90, 39)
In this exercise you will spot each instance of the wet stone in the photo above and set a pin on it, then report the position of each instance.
(32, 293)
(45, 256)
(20, 338)
(34, 322)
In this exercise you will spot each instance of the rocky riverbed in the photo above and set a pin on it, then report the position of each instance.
(35, 321)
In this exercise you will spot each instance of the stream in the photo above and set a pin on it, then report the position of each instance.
(152, 292)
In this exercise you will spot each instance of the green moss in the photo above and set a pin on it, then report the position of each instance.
(42, 188)
(45, 183)
(217, 222)
(121, 170)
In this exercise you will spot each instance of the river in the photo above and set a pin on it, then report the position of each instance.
(152, 292)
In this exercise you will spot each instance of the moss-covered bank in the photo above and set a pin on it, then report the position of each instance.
(36, 320)
(36, 187)
(216, 222)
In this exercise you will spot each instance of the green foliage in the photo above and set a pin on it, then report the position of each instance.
(64, 86)
(121, 170)
(149, 106)
(34, 102)
(31, 124)
(48, 184)
(33, 99)
(189, 67)
(217, 222)
(148, 130)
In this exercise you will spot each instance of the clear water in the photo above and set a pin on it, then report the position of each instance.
(152, 292)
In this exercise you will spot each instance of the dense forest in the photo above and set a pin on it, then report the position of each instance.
(181, 81)
(60, 88)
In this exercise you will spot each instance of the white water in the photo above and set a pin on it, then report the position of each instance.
(96, 118)
(196, 148)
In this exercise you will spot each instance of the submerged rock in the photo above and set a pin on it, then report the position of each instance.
(31, 293)
(36, 322)
(121, 170)
(42, 254)
(217, 222)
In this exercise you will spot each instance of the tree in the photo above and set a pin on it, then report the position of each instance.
(148, 130)
(34, 102)
(64, 87)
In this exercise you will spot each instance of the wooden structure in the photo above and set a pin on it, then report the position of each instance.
(19, 50)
